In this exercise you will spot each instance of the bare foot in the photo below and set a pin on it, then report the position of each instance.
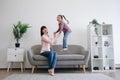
(51, 72)
(64, 49)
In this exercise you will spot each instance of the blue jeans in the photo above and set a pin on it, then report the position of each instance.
(52, 58)
(65, 40)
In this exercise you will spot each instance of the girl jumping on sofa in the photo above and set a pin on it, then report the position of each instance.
(46, 42)
(66, 30)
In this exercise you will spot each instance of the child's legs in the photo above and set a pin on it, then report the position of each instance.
(65, 38)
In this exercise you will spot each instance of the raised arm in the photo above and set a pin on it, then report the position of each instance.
(61, 25)
(47, 39)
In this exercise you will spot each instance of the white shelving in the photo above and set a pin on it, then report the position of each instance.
(101, 48)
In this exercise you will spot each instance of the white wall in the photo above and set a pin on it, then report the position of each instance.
(44, 12)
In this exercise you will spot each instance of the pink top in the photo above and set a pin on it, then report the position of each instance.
(63, 27)
(46, 43)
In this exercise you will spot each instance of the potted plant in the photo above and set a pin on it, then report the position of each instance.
(96, 24)
(18, 31)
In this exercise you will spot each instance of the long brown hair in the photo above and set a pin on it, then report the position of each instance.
(43, 27)
(62, 16)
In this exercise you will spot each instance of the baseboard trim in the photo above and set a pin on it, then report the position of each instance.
(31, 68)
(15, 68)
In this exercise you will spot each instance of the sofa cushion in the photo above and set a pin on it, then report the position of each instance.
(71, 49)
(70, 57)
(39, 57)
(61, 57)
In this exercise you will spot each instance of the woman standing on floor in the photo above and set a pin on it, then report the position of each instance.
(46, 50)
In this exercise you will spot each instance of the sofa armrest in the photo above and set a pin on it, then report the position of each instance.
(30, 56)
(87, 56)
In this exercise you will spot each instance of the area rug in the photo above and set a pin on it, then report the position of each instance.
(59, 76)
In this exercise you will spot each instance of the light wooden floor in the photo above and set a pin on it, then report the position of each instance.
(4, 73)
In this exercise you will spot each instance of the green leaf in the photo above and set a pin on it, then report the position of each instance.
(19, 30)
(95, 22)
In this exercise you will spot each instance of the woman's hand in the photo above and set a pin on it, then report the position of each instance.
(56, 35)
(54, 32)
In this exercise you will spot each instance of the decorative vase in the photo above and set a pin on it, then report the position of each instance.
(17, 45)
